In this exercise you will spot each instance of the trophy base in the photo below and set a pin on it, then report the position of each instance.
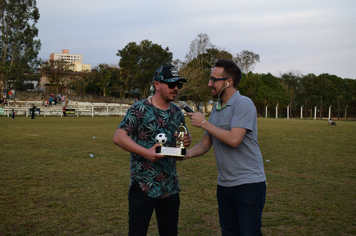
(171, 151)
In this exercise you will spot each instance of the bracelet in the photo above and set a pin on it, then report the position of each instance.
(201, 125)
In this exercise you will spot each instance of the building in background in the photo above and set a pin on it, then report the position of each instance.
(74, 70)
(74, 59)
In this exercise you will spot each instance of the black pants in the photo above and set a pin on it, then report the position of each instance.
(141, 208)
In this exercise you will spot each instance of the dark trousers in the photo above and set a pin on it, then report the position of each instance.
(141, 208)
(240, 209)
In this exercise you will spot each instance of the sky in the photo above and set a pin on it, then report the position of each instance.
(297, 36)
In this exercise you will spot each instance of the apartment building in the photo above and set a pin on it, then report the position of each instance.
(74, 59)
(75, 62)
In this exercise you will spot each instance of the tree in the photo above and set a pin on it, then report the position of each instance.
(264, 90)
(106, 79)
(19, 47)
(292, 84)
(246, 60)
(197, 49)
(213, 54)
(197, 72)
(197, 66)
(351, 83)
(80, 82)
(58, 72)
(139, 62)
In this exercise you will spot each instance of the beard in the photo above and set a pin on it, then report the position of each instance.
(170, 97)
(219, 94)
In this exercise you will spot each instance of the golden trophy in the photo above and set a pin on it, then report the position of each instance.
(177, 151)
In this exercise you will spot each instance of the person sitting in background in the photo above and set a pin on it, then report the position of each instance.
(331, 122)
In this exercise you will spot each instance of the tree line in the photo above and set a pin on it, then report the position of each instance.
(138, 62)
(132, 76)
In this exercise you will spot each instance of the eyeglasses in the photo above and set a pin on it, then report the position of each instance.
(172, 85)
(213, 80)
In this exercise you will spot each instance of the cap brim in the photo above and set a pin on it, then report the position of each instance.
(171, 80)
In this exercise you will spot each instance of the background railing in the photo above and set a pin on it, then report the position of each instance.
(24, 108)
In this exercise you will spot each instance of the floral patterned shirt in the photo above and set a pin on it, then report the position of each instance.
(143, 122)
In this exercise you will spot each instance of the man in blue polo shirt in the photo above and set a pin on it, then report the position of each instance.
(232, 129)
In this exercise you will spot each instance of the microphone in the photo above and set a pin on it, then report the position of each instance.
(184, 106)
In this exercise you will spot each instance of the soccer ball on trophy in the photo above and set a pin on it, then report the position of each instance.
(161, 138)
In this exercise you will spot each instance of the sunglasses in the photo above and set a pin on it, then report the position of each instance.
(172, 85)
(213, 80)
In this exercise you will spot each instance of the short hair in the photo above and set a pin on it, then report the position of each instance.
(231, 70)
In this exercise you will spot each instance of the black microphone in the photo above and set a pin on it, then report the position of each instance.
(184, 106)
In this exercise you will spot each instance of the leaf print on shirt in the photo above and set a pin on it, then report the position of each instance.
(160, 122)
(153, 128)
(143, 135)
(139, 114)
(130, 115)
(165, 195)
(147, 166)
(160, 177)
(145, 187)
(144, 121)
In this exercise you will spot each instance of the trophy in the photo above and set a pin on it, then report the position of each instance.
(179, 150)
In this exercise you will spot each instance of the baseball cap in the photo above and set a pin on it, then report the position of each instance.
(168, 74)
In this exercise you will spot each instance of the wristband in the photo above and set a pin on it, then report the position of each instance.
(201, 125)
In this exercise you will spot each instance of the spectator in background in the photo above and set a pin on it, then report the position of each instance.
(50, 100)
(63, 97)
(331, 122)
(33, 111)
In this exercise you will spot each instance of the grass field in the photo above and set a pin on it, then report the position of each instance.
(50, 185)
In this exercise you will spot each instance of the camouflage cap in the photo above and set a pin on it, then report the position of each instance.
(167, 74)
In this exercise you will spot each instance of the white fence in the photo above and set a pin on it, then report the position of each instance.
(72, 109)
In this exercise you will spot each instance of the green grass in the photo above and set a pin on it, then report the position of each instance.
(49, 184)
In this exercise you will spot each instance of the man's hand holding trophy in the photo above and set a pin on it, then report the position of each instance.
(179, 149)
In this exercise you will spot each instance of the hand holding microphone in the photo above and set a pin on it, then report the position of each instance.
(184, 106)
(197, 118)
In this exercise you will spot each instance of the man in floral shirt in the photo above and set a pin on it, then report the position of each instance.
(154, 181)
